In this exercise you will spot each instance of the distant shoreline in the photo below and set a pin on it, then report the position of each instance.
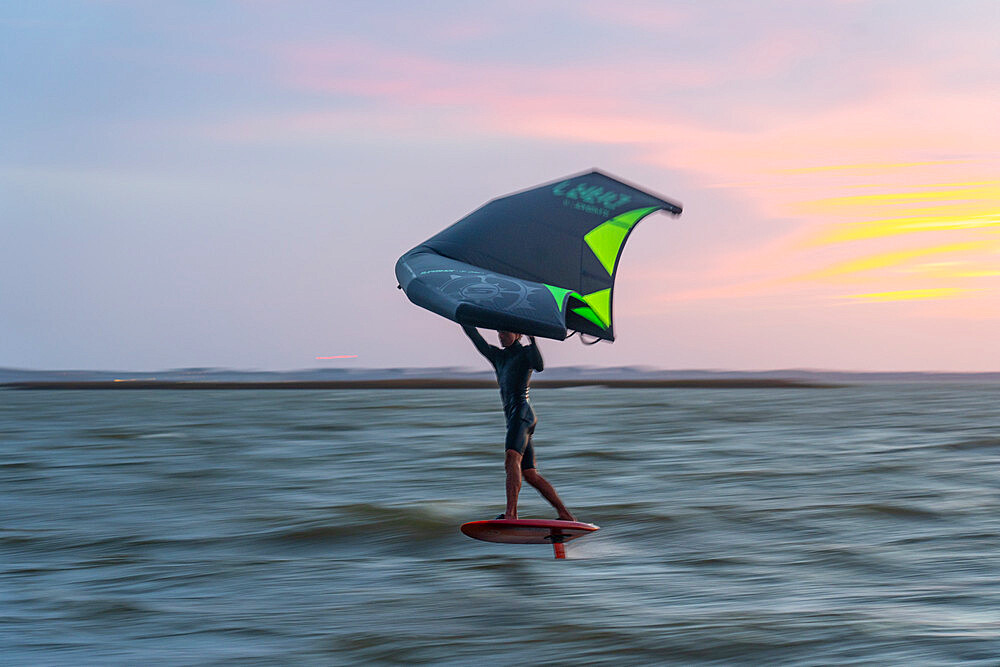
(423, 383)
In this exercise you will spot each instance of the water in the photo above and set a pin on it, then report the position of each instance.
(843, 526)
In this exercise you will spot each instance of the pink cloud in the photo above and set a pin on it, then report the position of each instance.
(359, 68)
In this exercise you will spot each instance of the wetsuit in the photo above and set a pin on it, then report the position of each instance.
(513, 366)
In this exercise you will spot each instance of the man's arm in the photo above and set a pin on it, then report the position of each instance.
(534, 355)
(480, 343)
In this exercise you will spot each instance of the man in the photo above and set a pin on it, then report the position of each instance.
(513, 364)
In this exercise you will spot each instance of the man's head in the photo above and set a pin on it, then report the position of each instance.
(507, 338)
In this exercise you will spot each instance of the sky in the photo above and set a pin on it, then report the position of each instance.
(229, 184)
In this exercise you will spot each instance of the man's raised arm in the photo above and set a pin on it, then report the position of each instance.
(478, 341)
(534, 355)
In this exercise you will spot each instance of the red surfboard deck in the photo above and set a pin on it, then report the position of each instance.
(527, 531)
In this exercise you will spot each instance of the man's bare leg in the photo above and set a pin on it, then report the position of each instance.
(513, 466)
(531, 476)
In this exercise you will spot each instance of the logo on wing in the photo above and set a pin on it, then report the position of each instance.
(590, 198)
(490, 290)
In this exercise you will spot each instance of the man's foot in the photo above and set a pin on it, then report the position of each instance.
(566, 517)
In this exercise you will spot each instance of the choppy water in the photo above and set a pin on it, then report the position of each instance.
(855, 525)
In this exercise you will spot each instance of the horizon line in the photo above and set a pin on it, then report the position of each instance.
(468, 369)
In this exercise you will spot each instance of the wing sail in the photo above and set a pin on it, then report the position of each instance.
(541, 262)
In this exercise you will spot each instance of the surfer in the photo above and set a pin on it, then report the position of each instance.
(513, 364)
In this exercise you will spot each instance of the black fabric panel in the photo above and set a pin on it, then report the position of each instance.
(538, 234)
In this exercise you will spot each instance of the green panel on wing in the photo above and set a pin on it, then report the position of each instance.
(606, 239)
(600, 303)
(559, 294)
(589, 314)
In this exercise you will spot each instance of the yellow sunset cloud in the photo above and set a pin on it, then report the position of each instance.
(911, 294)
(894, 259)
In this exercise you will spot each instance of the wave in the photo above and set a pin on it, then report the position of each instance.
(104, 609)
(369, 521)
(976, 443)
(326, 428)
(902, 511)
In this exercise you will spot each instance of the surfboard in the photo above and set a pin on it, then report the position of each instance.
(529, 531)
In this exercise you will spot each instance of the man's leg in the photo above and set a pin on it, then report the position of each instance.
(513, 466)
(531, 476)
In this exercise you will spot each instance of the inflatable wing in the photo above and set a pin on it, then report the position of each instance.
(540, 262)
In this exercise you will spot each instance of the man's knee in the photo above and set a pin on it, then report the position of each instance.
(531, 476)
(513, 456)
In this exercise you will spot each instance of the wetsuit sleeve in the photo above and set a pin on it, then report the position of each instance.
(534, 355)
(484, 348)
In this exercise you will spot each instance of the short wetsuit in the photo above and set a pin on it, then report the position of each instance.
(513, 366)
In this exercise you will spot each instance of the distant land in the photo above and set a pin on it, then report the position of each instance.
(457, 378)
